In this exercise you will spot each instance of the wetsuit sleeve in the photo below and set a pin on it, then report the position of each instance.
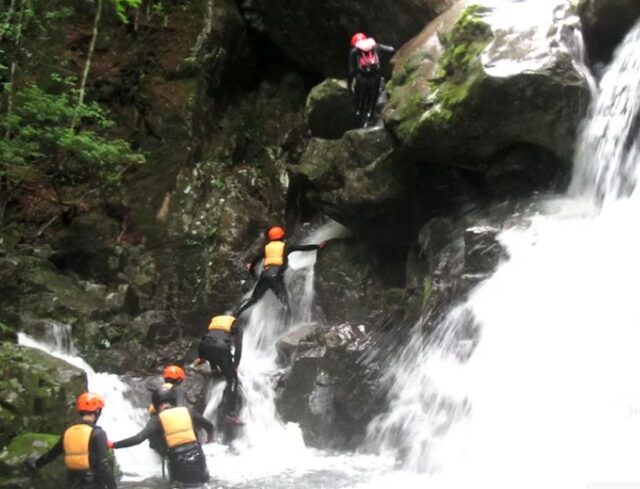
(54, 452)
(310, 247)
(201, 422)
(237, 353)
(99, 459)
(353, 67)
(152, 426)
(386, 49)
(179, 395)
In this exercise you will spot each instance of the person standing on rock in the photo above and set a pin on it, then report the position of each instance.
(85, 449)
(275, 257)
(177, 425)
(364, 78)
(215, 348)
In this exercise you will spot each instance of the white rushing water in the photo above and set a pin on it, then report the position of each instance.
(269, 452)
(549, 397)
(120, 418)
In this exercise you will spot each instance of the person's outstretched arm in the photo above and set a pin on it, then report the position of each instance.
(309, 247)
(385, 48)
(201, 422)
(353, 66)
(54, 452)
(152, 426)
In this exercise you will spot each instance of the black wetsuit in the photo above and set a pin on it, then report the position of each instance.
(100, 476)
(272, 277)
(186, 463)
(215, 347)
(156, 440)
(366, 89)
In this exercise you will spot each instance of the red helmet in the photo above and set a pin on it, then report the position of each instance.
(173, 372)
(275, 233)
(357, 37)
(89, 402)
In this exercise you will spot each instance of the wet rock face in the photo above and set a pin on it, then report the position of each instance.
(329, 109)
(354, 178)
(452, 257)
(329, 390)
(38, 391)
(12, 457)
(474, 83)
(604, 24)
(351, 286)
(227, 200)
(316, 35)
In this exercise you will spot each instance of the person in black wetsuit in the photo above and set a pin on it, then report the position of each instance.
(364, 78)
(275, 255)
(215, 347)
(173, 376)
(186, 460)
(85, 449)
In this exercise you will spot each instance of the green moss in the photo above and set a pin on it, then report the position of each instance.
(459, 66)
(7, 333)
(27, 445)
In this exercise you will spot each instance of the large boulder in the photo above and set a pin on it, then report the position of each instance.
(316, 34)
(15, 475)
(12, 457)
(355, 285)
(329, 391)
(38, 391)
(329, 109)
(604, 25)
(354, 178)
(481, 83)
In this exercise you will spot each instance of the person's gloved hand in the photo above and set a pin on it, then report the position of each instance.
(209, 440)
(30, 464)
(322, 244)
(248, 267)
(109, 444)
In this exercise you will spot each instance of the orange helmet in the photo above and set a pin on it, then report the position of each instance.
(357, 37)
(89, 402)
(173, 372)
(275, 233)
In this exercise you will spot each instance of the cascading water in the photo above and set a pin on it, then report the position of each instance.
(549, 397)
(270, 453)
(119, 418)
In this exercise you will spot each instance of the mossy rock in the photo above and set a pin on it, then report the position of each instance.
(38, 391)
(7, 333)
(52, 476)
(329, 109)
(471, 86)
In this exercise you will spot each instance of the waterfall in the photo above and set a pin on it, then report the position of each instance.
(120, 419)
(268, 449)
(549, 396)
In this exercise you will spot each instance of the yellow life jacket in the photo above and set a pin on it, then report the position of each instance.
(177, 426)
(152, 409)
(223, 323)
(75, 443)
(274, 253)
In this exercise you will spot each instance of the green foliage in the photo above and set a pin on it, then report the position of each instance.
(123, 5)
(42, 141)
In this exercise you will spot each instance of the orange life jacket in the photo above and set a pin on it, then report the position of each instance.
(177, 426)
(224, 323)
(274, 254)
(75, 442)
